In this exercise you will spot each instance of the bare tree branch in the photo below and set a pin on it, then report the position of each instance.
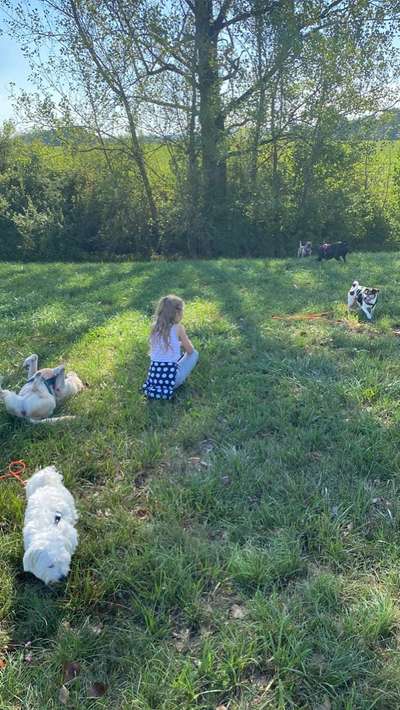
(219, 20)
(247, 14)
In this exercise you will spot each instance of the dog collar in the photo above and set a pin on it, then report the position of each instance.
(49, 382)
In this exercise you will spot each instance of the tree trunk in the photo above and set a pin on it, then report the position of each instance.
(303, 224)
(211, 123)
(304, 213)
(275, 182)
(112, 79)
(194, 226)
(138, 157)
(260, 110)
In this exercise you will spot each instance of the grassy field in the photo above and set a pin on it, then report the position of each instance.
(239, 546)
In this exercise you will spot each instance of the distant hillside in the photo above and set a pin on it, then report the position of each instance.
(386, 126)
(54, 138)
(76, 135)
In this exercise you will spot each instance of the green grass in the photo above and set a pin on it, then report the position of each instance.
(239, 546)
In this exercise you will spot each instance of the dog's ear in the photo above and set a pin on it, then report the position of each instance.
(60, 377)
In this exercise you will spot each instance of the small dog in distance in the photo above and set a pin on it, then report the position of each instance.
(305, 249)
(337, 251)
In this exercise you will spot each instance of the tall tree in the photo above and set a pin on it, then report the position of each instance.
(191, 65)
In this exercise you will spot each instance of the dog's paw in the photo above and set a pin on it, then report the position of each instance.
(32, 358)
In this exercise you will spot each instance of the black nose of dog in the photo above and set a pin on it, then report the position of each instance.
(62, 578)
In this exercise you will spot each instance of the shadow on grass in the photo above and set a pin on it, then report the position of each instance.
(291, 450)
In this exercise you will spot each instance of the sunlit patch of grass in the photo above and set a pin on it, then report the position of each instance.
(374, 616)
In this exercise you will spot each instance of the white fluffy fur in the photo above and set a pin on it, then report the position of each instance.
(34, 402)
(50, 538)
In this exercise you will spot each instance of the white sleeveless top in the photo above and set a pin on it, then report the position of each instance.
(160, 353)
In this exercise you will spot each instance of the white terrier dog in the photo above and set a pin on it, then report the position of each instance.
(39, 396)
(50, 538)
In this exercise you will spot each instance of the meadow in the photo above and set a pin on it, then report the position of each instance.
(240, 545)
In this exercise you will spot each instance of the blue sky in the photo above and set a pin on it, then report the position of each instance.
(13, 68)
(13, 65)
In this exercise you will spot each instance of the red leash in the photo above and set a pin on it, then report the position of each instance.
(16, 469)
(303, 316)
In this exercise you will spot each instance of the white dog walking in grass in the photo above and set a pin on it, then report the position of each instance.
(50, 538)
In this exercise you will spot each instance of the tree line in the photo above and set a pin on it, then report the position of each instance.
(261, 115)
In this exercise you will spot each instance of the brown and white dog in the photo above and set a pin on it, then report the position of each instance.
(39, 396)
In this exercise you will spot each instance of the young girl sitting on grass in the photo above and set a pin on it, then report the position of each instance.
(168, 369)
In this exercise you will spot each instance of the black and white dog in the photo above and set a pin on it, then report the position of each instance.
(305, 249)
(337, 250)
(363, 297)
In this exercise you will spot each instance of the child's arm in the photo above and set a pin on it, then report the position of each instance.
(186, 344)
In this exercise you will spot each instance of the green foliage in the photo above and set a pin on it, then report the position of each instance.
(58, 202)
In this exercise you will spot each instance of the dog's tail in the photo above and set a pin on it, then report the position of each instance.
(50, 420)
(3, 393)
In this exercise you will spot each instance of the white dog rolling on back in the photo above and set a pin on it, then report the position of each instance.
(45, 388)
(50, 538)
(363, 297)
(33, 403)
(63, 384)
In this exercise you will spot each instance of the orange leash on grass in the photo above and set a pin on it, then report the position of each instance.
(304, 316)
(16, 469)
